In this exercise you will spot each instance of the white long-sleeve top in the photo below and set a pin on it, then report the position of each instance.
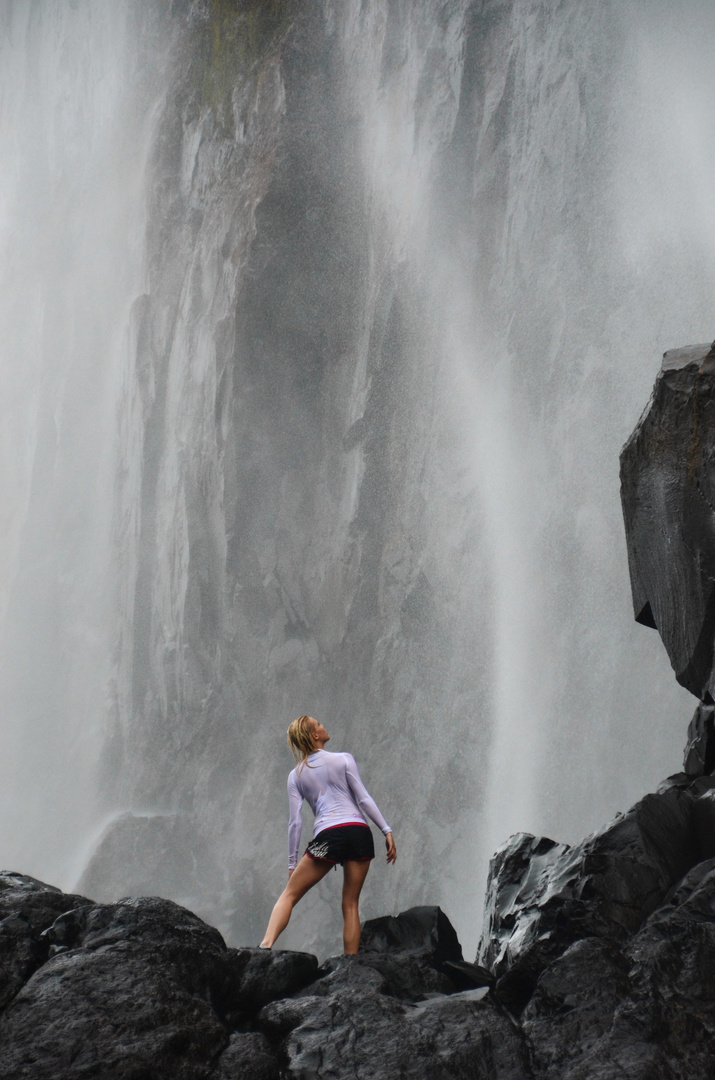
(331, 785)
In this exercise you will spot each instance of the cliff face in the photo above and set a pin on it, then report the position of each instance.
(332, 491)
(281, 475)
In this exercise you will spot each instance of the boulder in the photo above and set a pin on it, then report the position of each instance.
(419, 931)
(351, 973)
(258, 976)
(27, 908)
(399, 974)
(133, 989)
(668, 498)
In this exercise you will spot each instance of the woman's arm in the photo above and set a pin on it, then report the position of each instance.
(295, 823)
(362, 796)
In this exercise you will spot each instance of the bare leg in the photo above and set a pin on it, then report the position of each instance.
(307, 873)
(354, 874)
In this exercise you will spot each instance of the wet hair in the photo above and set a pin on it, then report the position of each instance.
(300, 740)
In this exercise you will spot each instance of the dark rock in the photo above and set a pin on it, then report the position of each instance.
(704, 824)
(27, 908)
(248, 1056)
(574, 1003)
(542, 897)
(468, 976)
(665, 1030)
(699, 758)
(40, 903)
(423, 931)
(669, 511)
(262, 975)
(402, 975)
(348, 973)
(369, 1036)
(137, 995)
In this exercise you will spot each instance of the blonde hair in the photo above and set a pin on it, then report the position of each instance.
(300, 740)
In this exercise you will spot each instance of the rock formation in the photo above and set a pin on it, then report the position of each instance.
(144, 988)
(668, 494)
(596, 962)
(604, 950)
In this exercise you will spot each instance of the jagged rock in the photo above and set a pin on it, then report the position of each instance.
(138, 988)
(369, 1036)
(542, 896)
(248, 1056)
(606, 949)
(144, 988)
(699, 757)
(27, 908)
(669, 512)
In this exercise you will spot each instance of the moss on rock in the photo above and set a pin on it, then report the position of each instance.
(235, 36)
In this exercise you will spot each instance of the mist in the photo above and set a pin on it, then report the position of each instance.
(321, 334)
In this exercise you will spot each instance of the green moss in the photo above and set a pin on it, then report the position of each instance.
(237, 34)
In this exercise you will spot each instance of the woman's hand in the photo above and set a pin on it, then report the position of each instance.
(292, 868)
(391, 849)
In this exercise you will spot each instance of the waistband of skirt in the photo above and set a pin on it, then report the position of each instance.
(342, 824)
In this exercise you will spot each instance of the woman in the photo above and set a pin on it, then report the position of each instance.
(338, 798)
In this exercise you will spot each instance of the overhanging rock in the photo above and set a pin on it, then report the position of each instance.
(668, 497)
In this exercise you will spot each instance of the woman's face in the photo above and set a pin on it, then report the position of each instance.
(318, 731)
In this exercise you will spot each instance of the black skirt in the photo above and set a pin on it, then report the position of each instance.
(338, 843)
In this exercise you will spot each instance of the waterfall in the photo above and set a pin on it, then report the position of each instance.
(322, 329)
(71, 235)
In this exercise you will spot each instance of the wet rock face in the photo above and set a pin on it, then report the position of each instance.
(542, 897)
(663, 1022)
(668, 496)
(127, 987)
(573, 1005)
(604, 950)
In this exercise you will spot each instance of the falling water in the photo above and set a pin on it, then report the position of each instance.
(321, 334)
(71, 235)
